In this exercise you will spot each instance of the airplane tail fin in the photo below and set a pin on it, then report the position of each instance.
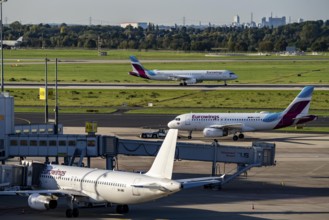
(20, 39)
(138, 69)
(163, 164)
(297, 110)
(301, 104)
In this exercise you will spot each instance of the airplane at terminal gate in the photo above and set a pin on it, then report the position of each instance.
(185, 76)
(223, 124)
(84, 185)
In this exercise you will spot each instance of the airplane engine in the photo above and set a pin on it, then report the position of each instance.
(191, 81)
(214, 132)
(40, 202)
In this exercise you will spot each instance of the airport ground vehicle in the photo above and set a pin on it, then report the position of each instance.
(161, 133)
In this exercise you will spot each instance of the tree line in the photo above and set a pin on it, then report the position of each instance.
(306, 36)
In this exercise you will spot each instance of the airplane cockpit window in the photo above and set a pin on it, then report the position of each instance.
(177, 119)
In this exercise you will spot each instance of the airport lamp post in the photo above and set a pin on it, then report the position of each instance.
(1, 39)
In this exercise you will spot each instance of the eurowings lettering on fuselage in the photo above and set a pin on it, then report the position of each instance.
(52, 172)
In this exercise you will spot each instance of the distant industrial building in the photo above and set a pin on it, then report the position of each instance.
(236, 20)
(143, 25)
(273, 22)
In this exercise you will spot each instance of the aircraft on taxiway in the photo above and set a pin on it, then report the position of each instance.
(186, 77)
(223, 124)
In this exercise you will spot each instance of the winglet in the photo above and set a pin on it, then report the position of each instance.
(163, 164)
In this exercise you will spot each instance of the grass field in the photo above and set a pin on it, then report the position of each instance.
(258, 72)
(173, 101)
(27, 65)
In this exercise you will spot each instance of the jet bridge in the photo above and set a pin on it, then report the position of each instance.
(259, 154)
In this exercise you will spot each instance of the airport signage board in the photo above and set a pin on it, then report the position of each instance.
(42, 93)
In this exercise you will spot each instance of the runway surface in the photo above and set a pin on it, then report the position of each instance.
(296, 188)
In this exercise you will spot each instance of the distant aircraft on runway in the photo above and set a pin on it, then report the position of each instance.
(13, 43)
(185, 76)
(223, 124)
(84, 185)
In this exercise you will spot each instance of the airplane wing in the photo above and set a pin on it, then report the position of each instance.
(57, 192)
(196, 182)
(236, 126)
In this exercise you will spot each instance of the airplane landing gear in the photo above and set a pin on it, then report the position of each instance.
(236, 137)
(122, 209)
(72, 211)
(189, 135)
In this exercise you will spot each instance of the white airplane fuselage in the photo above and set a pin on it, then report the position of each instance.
(199, 121)
(12, 43)
(198, 75)
(106, 186)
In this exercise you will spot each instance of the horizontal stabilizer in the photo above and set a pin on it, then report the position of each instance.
(153, 186)
(196, 182)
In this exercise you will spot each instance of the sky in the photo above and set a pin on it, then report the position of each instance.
(167, 12)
